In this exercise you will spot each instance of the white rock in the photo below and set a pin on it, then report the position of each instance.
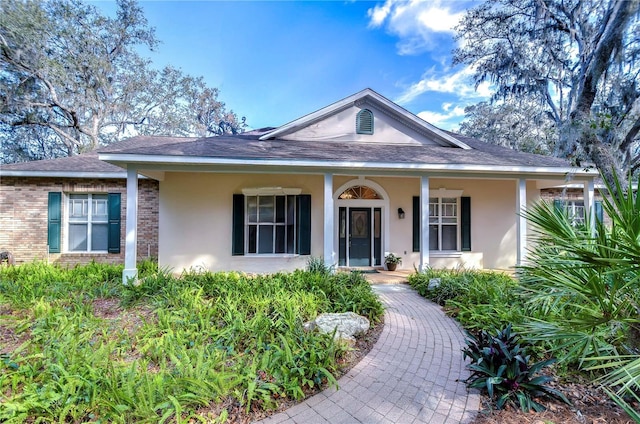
(347, 324)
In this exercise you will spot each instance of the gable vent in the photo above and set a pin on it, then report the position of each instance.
(364, 122)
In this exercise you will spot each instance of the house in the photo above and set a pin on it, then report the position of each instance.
(349, 182)
(69, 211)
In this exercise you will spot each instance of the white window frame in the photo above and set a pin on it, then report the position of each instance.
(89, 222)
(273, 192)
(575, 210)
(440, 220)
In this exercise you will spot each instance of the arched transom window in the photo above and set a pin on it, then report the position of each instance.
(360, 192)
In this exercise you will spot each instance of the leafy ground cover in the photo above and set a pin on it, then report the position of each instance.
(76, 345)
(485, 301)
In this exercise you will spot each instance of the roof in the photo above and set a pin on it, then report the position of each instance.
(86, 165)
(251, 147)
(267, 150)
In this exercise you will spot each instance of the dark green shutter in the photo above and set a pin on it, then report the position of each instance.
(54, 221)
(558, 205)
(465, 223)
(304, 224)
(599, 211)
(237, 225)
(114, 204)
(416, 223)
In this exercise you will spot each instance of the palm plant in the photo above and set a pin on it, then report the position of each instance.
(582, 288)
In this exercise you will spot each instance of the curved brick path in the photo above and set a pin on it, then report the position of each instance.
(410, 375)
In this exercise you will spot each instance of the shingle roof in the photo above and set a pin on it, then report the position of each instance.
(249, 147)
(84, 163)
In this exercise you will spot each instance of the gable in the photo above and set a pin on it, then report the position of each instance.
(341, 127)
(391, 124)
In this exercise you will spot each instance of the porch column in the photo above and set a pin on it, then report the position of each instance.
(424, 222)
(328, 220)
(589, 204)
(130, 273)
(521, 222)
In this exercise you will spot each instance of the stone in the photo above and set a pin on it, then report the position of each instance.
(346, 324)
(434, 283)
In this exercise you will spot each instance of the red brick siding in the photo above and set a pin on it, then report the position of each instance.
(23, 217)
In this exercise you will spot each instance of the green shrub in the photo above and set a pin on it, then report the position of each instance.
(477, 299)
(172, 346)
(500, 367)
(317, 265)
(582, 287)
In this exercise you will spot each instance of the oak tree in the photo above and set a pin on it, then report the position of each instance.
(577, 59)
(72, 79)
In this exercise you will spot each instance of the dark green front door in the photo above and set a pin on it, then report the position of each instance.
(359, 237)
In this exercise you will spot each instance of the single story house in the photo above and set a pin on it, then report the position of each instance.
(70, 210)
(348, 183)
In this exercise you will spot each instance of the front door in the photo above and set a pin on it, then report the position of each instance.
(359, 236)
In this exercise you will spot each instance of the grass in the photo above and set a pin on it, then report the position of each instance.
(80, 346)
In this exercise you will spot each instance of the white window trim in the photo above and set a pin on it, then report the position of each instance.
(266, 191)
(446, 193)
(68, 222)
(446, 253)
(271, 191)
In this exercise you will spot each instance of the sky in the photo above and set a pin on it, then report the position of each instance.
(276, 61)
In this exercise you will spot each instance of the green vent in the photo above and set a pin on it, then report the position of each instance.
(364, 122)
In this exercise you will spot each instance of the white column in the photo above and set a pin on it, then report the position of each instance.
(328, 220)
(521, 222)
(130, 273)
(589, 204)
(424, 223)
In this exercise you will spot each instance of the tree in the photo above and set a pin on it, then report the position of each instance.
(519, 125)
(72, 79)
(577, 58)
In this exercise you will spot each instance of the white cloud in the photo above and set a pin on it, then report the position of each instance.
(416, 23)
(459, 83)
(447, 120)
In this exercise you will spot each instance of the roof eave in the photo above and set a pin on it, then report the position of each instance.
(123, 159)
(63, 174)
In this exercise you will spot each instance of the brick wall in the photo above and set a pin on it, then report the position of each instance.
(23, 217)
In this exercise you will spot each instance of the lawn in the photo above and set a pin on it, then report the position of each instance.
(76, 345)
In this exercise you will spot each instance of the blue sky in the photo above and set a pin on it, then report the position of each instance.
(275, 61)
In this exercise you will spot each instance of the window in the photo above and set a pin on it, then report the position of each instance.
(92, 222)
(446, 214)
(359, 192)
(88, 223)
(271, 224)
(364, 122)
(267, 223)
(576, 212)
(443, 223)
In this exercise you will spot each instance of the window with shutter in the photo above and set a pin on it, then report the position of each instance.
(271, 224)
(449, 218)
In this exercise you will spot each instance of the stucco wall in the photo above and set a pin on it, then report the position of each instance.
(342, 127)
(23, 217)
(196, 215)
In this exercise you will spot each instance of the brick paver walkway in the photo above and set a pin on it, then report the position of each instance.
(410, 376)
